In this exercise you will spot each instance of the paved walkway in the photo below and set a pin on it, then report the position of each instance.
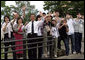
(73, 56)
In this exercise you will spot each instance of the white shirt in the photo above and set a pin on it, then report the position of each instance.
(40, 27)
(14, 22)
(78, 25)
(8, 28)
(55, 32)
(36, 25)
(70, 25)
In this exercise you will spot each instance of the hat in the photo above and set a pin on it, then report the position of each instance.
(53, 18)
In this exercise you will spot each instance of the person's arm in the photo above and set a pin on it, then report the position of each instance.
(12, 22)
(15, 28)
(23, 8)
(67, 29)
(4, 27)
(60, 26)
(22, 28)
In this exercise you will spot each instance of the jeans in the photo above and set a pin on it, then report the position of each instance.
(66, 42)
(78, 39)
(72, 37)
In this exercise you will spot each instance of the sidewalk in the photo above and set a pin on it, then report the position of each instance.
(73, 56)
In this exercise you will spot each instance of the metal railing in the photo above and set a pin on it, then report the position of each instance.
(44, 42)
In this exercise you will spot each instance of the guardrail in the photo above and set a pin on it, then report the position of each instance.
(44, 42)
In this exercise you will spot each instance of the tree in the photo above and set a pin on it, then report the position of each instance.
(65, 6)
(7, 10)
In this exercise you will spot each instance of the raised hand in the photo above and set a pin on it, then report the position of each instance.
(26, 23)
(40, 13)
(24, 8)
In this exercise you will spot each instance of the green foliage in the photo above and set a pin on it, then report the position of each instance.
(2, 3)
(65, 6)
(7, 10)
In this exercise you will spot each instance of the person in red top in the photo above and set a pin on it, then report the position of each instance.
(19, 31)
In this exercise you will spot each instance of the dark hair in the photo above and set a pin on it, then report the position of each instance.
(7, 17)
(68, 13)
(62, 21)
(44, 13)
(32, 14)
(78, 13)
(18, 19)
(38, 16)
(16, 12)
(57, 11)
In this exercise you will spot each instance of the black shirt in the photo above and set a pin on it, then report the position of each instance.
(62, 32)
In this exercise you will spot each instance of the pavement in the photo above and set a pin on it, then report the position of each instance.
(73, 56)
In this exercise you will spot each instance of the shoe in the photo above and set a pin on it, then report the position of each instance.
(74, 52)
(78, 53)
(55, 56)
(67, 54)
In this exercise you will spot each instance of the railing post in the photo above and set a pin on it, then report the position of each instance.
(37, 51)
(45, 43)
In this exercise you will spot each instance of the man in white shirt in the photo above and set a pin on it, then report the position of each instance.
(32, 32)
(78, 28)
(56, 15)
(71, 32)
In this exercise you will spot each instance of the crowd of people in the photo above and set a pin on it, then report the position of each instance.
(60, 28)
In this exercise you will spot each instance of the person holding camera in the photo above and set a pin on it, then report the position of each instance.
(78, 29)
(63, 29)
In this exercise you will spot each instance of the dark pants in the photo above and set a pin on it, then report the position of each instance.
(78, 39)
(50, 47)
(7, 44)
(40, 49)
(32, 53)
(72, 37)
(24, 51)
(66, 42)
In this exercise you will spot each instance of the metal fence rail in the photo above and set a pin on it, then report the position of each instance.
(44, 42)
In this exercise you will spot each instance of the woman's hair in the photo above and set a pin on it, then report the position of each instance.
(19, 19)
(38, 16)
(62, 21)
(7, 17)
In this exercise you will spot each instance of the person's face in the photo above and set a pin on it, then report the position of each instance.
(39, 18)
(32, 17)
(49, 18)
(20, 21)
(53, 22)
(6, 19)
(64, 21)
(57, 14)
(16, 15)
(68, 16)
(44, 15)
(79, 15)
